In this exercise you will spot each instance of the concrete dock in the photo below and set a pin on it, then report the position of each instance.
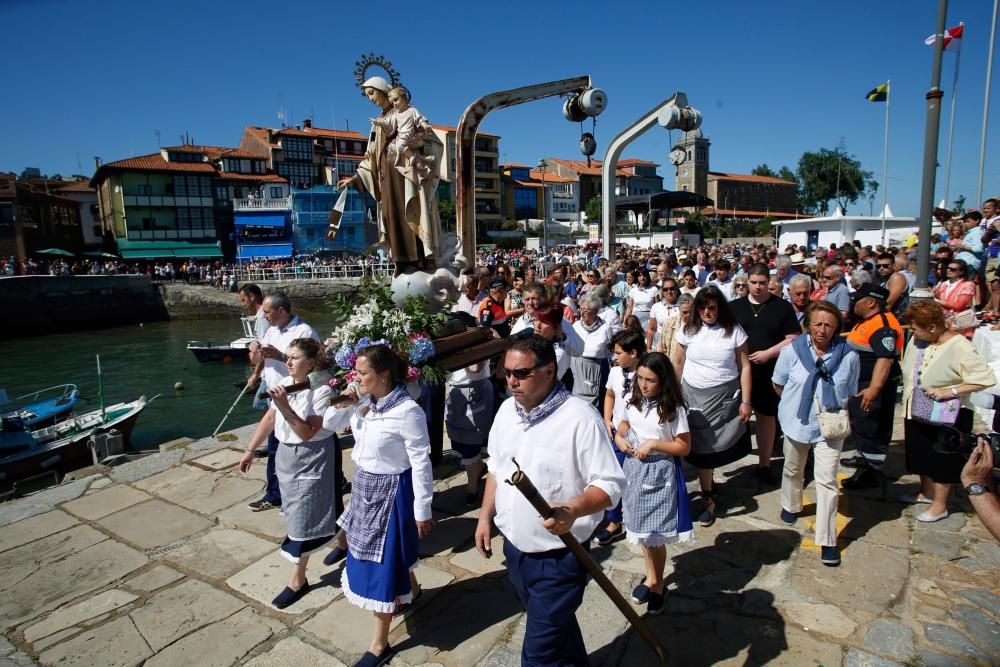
(159, 562)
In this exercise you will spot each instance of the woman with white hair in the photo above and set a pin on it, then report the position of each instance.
(590, 370)
(607, 313)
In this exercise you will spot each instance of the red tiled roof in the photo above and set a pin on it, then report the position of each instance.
(449, 128)
(740, 213)
(750, 178)
(580, 166)
(155, 162)
(527, 184)
(82, 185)
(315, 132)
(212, 152)
(550, 177)
(628, 162)
(259, 178)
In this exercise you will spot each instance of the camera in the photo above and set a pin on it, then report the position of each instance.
(953, 441)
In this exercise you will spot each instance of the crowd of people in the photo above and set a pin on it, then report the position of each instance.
(620, 372)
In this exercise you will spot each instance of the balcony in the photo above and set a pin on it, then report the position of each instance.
(263, 204)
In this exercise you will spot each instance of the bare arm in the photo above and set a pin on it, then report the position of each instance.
(628, 308)
(484, 528)
(896, 285)
(592, 500)
(650, 332)
(746, 381)
(679, 446)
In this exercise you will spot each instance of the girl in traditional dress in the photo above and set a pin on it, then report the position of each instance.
(390, 506)
(653, 436)
(307, 465)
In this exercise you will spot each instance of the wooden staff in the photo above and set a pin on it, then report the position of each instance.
(519, 480)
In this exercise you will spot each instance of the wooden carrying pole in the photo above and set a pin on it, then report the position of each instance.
(520, 481)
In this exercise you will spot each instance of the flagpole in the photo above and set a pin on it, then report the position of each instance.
(986, 106)
(951, 123)
(885, 157)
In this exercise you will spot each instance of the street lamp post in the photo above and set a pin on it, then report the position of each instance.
(543, 165)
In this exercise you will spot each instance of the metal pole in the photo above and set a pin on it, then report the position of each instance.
(986, 106)
(951, 127)
(468, 125)
(885, 158)
(931, 131)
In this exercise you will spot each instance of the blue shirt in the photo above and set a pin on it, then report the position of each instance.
(840, 297)
(792, 375)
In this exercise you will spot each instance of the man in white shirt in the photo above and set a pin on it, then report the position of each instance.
(271, 351)
(471, 297)
(722, 278)
(534, 296)
(560, 442)
(252, 300)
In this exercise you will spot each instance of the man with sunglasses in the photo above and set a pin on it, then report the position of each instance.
(878, 340)
(894, 282)
(561, 443)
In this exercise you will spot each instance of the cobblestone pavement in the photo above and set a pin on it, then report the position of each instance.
(160, 562)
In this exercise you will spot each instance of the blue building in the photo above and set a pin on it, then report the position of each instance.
(263, 227)
(310, 219)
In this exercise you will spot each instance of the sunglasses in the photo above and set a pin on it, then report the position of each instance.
(523, 373)
(669, 289)
(884, 266)
(953, 268)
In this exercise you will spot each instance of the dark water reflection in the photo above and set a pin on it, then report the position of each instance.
(138, 360)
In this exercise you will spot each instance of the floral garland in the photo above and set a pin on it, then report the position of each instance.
(372, 318)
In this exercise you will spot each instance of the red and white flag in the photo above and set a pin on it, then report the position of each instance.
(952, 38)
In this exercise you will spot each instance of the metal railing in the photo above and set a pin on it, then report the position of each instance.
(285, 273)
(262, 203)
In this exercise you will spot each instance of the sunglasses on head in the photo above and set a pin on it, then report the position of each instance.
(523, 373)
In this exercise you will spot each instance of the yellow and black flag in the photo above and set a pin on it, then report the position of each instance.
(879, 93)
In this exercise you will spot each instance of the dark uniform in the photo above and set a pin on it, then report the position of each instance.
(877, 337)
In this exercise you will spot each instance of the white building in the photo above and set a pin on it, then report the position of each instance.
(839, 228)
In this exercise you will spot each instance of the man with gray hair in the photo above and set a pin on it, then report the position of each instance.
(860, 277)
(836, 290)
(799, 290)
(272, 350)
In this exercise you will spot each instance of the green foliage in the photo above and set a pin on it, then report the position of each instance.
(763, 170)
(594, 210)
(446, 211)
(432, 374)
(788, 175)
(510, 226)
(826, 175)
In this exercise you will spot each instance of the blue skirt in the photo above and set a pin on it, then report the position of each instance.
(380, 587)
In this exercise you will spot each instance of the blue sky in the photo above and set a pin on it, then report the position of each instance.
(772, 79)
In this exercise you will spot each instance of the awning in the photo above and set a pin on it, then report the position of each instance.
(261, 220)
(172, 253)
(262, 250)
(662, 200)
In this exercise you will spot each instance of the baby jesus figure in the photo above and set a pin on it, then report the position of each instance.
(403, 128)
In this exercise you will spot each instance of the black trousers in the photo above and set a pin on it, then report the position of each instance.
(872, 430)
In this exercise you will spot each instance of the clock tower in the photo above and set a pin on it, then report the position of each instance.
(690, 158)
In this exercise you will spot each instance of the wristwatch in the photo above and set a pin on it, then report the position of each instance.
(954, 391)
(976, 489)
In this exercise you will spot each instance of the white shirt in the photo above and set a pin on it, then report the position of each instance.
(562, 455)
(610, 315)
(466, 376)
(710, 357)
(260, 324)
(597, 343)
(392, 442)
(306, 403)
(572, 342)
(280, 338)
(642, 299)
(660, 311)
(725, 287)
(616, 385)
(646, 423)
(467, 305)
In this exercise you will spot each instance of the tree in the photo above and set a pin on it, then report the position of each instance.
(763, 170)
(788, 175)
(594, 209)
(446, 211)
(826, 175)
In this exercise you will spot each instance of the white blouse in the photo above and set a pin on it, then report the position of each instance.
(307, 403)
(642, 299)
(597, 343)
(710, 357)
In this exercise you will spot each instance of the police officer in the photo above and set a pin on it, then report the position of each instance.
(878, 340)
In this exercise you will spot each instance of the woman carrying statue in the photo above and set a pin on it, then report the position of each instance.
(400, 170)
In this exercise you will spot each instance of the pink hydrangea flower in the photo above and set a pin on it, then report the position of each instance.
(412, 373)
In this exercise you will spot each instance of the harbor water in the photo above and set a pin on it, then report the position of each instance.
(143, 360)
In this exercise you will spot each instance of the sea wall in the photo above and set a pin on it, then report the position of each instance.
(38, 305)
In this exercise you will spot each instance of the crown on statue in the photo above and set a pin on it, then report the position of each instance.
(369, 60)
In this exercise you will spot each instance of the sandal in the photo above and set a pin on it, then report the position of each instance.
(707, 516)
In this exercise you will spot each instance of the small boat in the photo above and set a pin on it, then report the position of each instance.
(43, 407)
(63, 446)
(26, 453)
(206, 352)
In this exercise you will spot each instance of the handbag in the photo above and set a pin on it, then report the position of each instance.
(925, 408)
(965, 319)
(835, 425)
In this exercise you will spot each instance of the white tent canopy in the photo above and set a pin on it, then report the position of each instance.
(839, 228)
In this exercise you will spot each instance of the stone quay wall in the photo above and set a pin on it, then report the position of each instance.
(61, 304)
